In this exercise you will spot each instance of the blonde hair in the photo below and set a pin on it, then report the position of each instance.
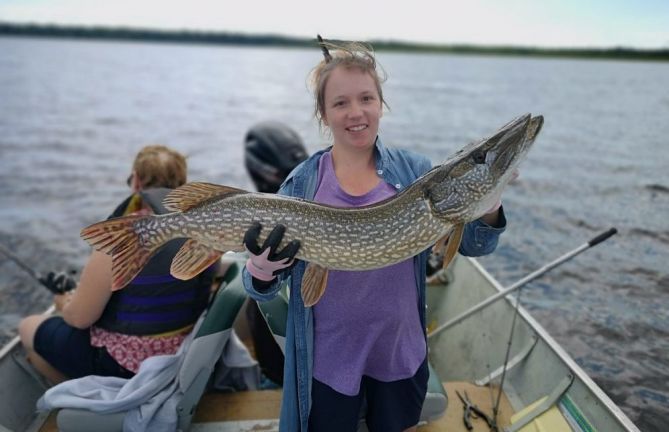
(160, 166)
(350, 55)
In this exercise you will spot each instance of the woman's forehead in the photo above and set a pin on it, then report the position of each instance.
(349, 81)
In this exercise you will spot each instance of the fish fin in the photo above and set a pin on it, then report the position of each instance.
(453, 244)
(192, 259)
(314, 282)
(120, 238)
(193, 194)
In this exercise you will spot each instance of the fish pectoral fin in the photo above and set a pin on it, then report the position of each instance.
(192, 259)
(453, 244)
(193, 194)
(314, 282)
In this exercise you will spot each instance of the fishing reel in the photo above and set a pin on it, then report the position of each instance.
(59, 282)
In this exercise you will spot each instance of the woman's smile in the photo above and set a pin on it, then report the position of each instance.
(352, 108)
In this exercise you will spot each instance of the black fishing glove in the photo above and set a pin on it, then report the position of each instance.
(265, 262)
(58, 283)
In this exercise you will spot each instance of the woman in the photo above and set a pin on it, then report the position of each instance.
(368, 342)
(100, 332)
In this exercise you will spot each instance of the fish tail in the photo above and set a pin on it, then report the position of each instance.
(129, 243)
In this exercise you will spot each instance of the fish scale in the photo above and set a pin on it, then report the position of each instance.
(325, 233)
(215, 218)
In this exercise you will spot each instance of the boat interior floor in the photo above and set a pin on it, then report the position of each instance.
(249, 410)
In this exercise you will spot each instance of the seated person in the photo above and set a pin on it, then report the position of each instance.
(100, 332)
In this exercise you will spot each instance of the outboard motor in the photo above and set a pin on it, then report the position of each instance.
(272, 150)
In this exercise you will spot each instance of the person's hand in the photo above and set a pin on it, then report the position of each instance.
(60, 300)
(265, 262)
(58, 282)
(498, 197)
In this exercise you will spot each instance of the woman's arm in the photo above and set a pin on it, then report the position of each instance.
(88, 301)
(480, 238)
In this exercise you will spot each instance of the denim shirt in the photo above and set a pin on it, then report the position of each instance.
(398, 168)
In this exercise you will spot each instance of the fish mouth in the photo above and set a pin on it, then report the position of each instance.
(512, 142)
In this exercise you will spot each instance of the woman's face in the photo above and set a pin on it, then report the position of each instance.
(352, 108)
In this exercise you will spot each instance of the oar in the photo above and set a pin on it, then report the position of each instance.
(566, 257)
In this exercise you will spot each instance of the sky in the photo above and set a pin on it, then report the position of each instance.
(543, 23)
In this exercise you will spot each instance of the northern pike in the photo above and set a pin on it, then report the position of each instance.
(215, 218)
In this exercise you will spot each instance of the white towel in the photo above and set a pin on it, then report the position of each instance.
(149, 398)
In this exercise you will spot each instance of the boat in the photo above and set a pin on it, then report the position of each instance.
(542, 385)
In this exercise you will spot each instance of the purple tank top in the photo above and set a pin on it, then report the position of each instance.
(367, 322)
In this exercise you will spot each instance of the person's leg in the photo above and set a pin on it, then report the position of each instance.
(396, 406)
(332, 411)
(27, 329)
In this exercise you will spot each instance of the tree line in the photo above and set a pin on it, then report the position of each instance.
(229, 38)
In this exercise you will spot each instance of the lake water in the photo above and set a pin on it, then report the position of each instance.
(74, 113)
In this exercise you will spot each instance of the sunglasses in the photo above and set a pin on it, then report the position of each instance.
(129, 180)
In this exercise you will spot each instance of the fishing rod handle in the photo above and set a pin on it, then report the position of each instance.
(603, 236)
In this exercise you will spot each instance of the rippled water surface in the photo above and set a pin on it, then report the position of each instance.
(73, 114)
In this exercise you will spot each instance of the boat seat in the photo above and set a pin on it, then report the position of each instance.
(275, 312)
(198, 364)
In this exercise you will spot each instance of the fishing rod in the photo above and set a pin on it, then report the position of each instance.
(25, 267)
(566, 257)
(495, 408)
(21, 264)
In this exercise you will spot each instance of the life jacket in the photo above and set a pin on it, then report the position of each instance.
(154, 301)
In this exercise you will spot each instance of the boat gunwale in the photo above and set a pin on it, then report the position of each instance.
(9, 346)
(578, 372)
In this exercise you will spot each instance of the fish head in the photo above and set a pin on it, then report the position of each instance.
(468, 184)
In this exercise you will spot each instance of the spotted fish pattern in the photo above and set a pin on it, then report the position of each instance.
(215, 218)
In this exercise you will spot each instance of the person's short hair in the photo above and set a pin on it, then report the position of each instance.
(350, 55)
(160, 166)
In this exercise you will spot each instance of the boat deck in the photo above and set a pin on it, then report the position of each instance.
(259, 410)
(250, 410)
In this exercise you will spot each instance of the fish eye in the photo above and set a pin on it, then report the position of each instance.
(479, 157)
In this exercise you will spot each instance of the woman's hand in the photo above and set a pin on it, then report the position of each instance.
(264, 261)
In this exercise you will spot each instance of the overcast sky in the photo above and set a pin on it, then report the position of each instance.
(548, 23)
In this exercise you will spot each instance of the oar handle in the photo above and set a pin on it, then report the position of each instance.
(603, 236)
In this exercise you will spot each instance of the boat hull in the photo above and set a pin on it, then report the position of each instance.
(465, 353)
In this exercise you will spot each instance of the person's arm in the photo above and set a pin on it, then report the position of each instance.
(265, 292)
(86, 304)
(481, 238)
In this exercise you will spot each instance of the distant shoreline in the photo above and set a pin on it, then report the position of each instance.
(228, 38)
